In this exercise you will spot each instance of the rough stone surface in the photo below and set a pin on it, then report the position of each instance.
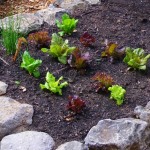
(91, 2)
(143, 112)
(50, 14)
(121, 134)
(72, 5)
(24, 22)
(3, 88)
(28, 140)
(73, 145)
(27, 22)
(13, 115)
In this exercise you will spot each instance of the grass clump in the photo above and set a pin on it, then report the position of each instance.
(10, 34)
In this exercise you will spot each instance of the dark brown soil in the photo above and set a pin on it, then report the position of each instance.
(128, 24)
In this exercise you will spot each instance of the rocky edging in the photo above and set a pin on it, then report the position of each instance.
(120, 134)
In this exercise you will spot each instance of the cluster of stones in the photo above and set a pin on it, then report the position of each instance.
(33, 21)
(120, 134)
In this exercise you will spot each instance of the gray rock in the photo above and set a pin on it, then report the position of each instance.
(3, 88)
(91, 2)
(27, 22)
(72, 5)
(73, 145)
(121, 134)
(50, 14)
(28, 140)
(24, 22)
(13, 115)
(143, 112)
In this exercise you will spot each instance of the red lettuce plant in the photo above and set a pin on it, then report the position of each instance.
(41, 37)
(79, 60)
(112, 52)
(75, 104)
(86, 39)
(103, 81)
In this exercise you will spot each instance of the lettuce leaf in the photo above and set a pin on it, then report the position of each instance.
(136, 58)
(52, 85)
(117, 93)
(78, 59)
(102, 81)
(75, 104)
(67, 26)
(59, 48)
(86, 39)
(30, 64)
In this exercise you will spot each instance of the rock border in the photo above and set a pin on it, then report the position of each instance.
(119, 134)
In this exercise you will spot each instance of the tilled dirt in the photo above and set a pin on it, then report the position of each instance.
(126, 24)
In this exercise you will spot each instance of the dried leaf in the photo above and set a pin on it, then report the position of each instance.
(23, 88)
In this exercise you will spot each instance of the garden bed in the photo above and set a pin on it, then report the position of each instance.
(125, 24)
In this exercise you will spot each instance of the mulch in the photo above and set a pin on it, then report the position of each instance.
(10, 7)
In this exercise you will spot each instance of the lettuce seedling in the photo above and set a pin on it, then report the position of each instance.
(86, 39)
(75, 104)
(40, 37)
(59, 48)
(30, 64)
(52, 85)
(136, 58)
(117, 93)
(112, 52)
(79, 60)
(67, 26)
(103, 81)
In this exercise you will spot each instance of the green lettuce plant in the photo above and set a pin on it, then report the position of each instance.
(67, 26)
(52, 85)
(30, 64)
(136, 58)
(59, 48)
(117, 93)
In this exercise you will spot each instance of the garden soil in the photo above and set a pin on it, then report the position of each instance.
(128, 24)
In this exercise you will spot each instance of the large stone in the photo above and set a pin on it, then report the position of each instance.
(73, 145)
(121, 134)
(27, 22)
(3, 88)
(72, 5)
(13, 115)
(50, 14)
(143, 112)
(91, 2)
(28, 140)
(23, 23)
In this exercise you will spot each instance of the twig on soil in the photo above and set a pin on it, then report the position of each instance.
(57, 71)
(4, 61)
